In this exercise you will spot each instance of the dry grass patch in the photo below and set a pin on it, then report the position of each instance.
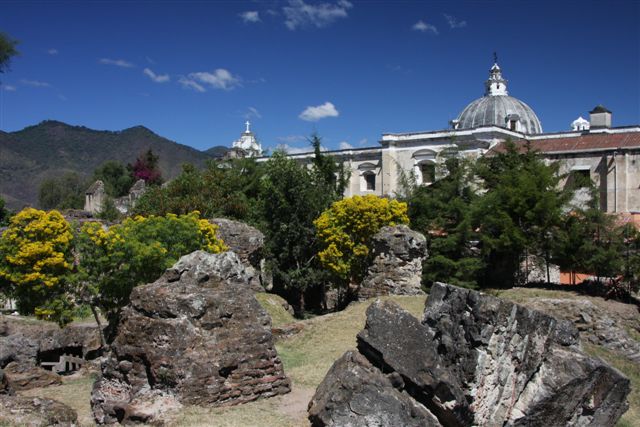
(632, 371)
(75, 392)
(308, 356)
(274, 305)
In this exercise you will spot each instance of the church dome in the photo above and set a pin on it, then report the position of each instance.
(497, 108)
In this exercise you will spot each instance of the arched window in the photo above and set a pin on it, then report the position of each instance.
(369, 181)
(367, 177)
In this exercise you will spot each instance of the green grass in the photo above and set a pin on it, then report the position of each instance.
(273, 304)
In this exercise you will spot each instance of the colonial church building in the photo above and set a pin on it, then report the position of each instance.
(609, 156)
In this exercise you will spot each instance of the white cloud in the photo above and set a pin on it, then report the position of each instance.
(190, 84)
(158, 78)
(313, 114)
(252, 112)
(453, 22)
(299, 14)
(344, 145)
(35, 83)
(8, 88)
(52, 51)
(219, 79)
(250, 16)
(424, 27)
(363, 142)
(117, 62)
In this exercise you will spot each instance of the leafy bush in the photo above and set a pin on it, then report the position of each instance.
(113, 261)
(35, 262)
(346, 229)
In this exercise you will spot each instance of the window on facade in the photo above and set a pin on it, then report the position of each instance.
(428, 171)
(579, 178)
(512, 124)
(370, 181)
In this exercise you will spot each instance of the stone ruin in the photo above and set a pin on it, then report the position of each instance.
(396, 268)
(473, 360)
(195, 336)
(27, 354)
(95, 197)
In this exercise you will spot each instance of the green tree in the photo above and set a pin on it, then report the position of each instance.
(588, 241)
(345, 231)
(36, 261)
(115, 176)
(5, 215)
(519, 211)
(7, 51)
(64, 192)
(292, 196)
(442, 212)
(224, 188)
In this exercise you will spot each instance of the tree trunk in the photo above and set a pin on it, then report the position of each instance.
(103, 342)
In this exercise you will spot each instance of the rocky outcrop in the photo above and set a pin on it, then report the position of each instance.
(25, 377)
(248, 243)
(355, 393)
(35, 411)
(195, 336)
(475, 360)
(396, 268)
(604, 326)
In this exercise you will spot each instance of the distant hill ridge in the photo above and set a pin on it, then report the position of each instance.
(52, 148)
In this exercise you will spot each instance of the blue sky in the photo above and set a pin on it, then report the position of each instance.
(195, 71)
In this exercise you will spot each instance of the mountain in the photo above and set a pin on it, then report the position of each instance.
(52, 148)
(217, 151)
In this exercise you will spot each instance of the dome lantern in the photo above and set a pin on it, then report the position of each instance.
(497, 108)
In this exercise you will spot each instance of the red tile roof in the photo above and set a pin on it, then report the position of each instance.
(584, 142)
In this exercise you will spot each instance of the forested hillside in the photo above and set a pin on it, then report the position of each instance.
(52, 148)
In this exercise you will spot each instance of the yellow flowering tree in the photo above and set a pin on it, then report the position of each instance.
(115, 260)
(35, 262)
(346, 229)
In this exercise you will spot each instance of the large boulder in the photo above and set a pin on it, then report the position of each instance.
(355, 393)
(248, 243)
(241, 238)
(195, 336)
(396, 268)
(25, 377)
(477, 360)
(35, 411)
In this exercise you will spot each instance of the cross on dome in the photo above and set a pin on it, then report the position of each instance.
(247, 123)
(496, 84)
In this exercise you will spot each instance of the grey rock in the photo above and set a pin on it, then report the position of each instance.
(356, 394)
(197, 337)
(396, 268)
(19, 348)
(26, 377)
(477, 360)
(241, 238)
(35, 411)
(421, 368)
(5, 387)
